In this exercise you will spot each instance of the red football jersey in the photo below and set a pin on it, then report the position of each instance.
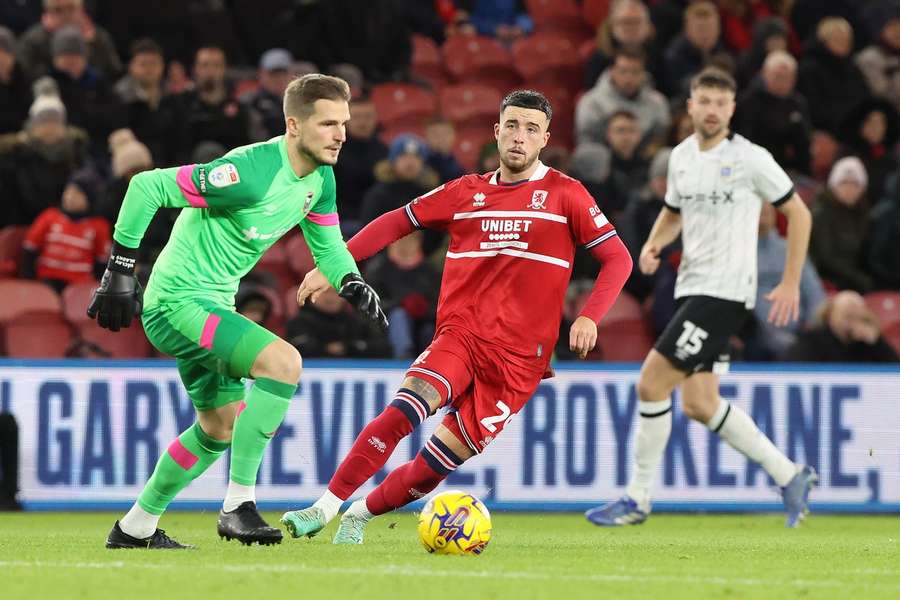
(68, 248)
(510, 255)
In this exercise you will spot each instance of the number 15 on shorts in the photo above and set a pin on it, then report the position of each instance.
(691, 339)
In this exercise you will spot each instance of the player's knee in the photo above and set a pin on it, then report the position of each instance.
(696, 410)
(426, 391)
(279, 361)
(647, 389)
(216, 425)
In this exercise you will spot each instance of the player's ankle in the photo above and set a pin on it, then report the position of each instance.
(329, 504)
(238, 494)
(359, 510)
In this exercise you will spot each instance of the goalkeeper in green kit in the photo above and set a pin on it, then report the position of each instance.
(236, 207)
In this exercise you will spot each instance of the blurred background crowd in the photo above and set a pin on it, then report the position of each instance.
(95, 91)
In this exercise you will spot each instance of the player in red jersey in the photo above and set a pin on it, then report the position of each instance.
(513, 235)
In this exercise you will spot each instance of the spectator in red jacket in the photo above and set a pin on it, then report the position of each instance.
(68, 244)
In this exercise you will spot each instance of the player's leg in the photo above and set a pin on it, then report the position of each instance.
(701, 402)
(430, 383)
(443, 454)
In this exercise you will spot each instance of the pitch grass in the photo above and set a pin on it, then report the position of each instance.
(562, 557)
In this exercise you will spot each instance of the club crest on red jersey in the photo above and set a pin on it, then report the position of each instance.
(538, 200)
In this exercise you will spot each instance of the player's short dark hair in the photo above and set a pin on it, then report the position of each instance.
(714, 77)
(622, 113)
(145, 45)
(528, 99)
(301, 93)
(630, 53)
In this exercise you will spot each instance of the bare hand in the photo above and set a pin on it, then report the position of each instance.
(785, 299)
(649, 259)
(582, 336)
(313, 286)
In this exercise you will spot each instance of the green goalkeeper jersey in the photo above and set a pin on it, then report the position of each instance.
(239, 205)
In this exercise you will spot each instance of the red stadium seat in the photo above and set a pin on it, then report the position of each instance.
(470, 104)
(18, 296)
(275, 262)
(388, 134)
(427, 63)
(299, 257)
(548, 59)
(624, 340)
(892, 335)
(290, 303)
(11, 239)
(469, 141)
(75, 300)
(479, 59)
(128, 342)
(562, 127)
(403, 103)
(562, 17)
(626, 308)
(37, 334)
(594, 12)
(886, 305)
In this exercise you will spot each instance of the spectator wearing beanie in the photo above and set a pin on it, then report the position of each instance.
(129, 157)
(15, 91)
(89, 99)
(36, 163)
(35, 44)
(68, 243)
(400, 179)
(840, 226)
(265, 105)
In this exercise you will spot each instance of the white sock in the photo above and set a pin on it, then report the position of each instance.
(738, 429)
(138, 523)
(653, 430)
(237, 495)
(330, 505)
(359, 510)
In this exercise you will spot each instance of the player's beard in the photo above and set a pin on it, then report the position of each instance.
(529, 161)
(310, 154)
(708, 134)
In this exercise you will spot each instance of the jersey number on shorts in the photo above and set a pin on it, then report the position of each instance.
(691, 340)
(488, 422)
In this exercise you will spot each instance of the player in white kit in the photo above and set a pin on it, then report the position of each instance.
(717, 182)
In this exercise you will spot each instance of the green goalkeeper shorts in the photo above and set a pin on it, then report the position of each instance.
(214, 348)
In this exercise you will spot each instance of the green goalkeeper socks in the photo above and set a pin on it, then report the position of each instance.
(256, 424)
(186, 459)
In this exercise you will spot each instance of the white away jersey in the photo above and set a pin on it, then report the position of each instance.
(719, 194)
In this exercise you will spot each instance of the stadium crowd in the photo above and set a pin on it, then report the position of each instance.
(94, 92)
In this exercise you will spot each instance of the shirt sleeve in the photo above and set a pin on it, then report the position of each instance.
(434, 210)
(588, 224)
(322, 232)
(227, 182)
(673, 198)
(37, 232)
(768, 178)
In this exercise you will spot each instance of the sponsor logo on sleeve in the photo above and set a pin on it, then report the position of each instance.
(224, 175)
(599, 218)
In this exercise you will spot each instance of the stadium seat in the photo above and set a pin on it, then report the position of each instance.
(128, 342)
(403, 103)
(562, 99)
(594, 12)
(299, 257)
(75, 300)
(290, 303)
(22, 295)
(548, 59)
(11, 238)
(427, 63)
(561, 17)
(388, 134)
(626, 308)
(479, 59)
(626, 340)
(469, 141)
(892, 335)
(470, 104)
(275, 262)
(886, 305)
(37, 334)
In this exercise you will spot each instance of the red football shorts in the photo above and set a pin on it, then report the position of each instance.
(484, 385)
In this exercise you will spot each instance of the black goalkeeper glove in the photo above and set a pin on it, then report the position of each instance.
(361, 295)
(119, 297)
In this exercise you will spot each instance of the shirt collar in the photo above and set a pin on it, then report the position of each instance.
(538, 174)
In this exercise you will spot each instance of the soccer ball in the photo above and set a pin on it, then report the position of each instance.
(455, 522)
